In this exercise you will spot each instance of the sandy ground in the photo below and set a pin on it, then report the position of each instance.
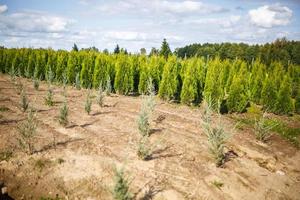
(80, 165)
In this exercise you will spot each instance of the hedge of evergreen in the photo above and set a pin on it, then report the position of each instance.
(233, 84)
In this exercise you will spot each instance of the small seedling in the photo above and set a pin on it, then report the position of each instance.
(121, 186)
(100, 97)
(108, 86)
(19, 87)
(24, 103)
(49, 97)
(88, 103)
(27, 131)
(65, 82)
(143, 122)
(144, 151)
(63, 115)
(77, 82)
(216, 136)
(36, 84)
(262, 128)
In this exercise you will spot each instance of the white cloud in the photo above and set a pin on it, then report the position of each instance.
(224, 22)
(187, 7)
(32, 21)
(271, 15)
(3, 8)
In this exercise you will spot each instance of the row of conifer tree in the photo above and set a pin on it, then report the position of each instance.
(230, 85)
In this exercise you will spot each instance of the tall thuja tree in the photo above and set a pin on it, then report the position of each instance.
(144, 76)
(30, 64)
(61, 65)
(72, 66)
(168, 88)
(40, 65)
(284, 104)
(192, 81)
(9, 59)
(294, 74)
(50, 67)
(124, 75)
(2, 59)
(17, 63)
(238, 96)
(297, 101)
(86, 74)
(278, 73)
(136, 62)
(257, 77)
(213, 90)
(100, 70)
(269, 94)
(156, 66)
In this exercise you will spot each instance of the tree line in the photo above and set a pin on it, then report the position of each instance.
(230, 85)
(280, 50)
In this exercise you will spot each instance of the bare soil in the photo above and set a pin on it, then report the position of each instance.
(81, 163)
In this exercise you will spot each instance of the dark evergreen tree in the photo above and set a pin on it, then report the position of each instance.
(165, 49)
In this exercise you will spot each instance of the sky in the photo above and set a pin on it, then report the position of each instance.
(136, 24)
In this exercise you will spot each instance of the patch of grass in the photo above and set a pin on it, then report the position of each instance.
(217, 184)
(289, 133)
(42, 163)
(292, 134)
(5, 155)
(4, 109)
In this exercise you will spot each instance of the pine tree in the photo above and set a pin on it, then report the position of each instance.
(284, 104)
(165, 49)
(168, 88)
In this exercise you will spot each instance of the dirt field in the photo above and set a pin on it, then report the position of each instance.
(80, 165)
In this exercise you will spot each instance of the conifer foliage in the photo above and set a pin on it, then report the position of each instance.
(231, 83)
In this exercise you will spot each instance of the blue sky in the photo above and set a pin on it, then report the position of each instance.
(134, 24)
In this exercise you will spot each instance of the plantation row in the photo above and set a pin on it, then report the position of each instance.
(228, 85)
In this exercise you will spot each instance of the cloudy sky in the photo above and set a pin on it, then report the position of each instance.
(134, 24)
